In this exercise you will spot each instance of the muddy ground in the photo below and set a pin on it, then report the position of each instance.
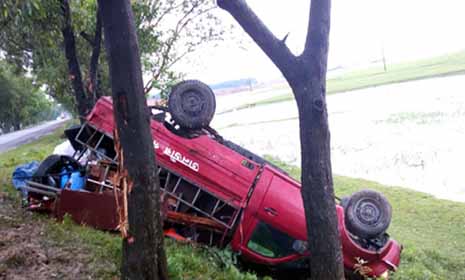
(28, 252)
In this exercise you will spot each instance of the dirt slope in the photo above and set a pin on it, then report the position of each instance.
(26, 252)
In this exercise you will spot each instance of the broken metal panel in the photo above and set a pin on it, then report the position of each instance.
(192, 207)
(89, 208)
(99, 210)
(100, 176)
(220, 211)
(97, 206)
(96, 141)
(188, 219)
(199, 200)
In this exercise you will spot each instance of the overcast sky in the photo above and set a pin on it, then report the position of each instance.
(360, 30)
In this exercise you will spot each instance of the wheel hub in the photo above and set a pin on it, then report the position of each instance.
(367, 212)
(192, 102)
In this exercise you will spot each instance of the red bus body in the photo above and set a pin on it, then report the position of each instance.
(262, 193)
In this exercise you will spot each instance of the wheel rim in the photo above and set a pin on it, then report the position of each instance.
(367, 212)
(192, 102)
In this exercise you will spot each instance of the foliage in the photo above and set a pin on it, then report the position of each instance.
(22, 103)
(31, 39)
(185, 261)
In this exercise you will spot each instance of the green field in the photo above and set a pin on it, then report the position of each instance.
(450, 64)
(431, 230)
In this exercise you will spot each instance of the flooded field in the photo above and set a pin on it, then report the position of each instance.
(409, 134)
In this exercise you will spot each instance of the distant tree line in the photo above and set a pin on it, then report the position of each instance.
(22, 103)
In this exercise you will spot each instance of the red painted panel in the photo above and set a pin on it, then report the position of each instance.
(89, 208)
(283, 208)
(283, 194)
(201, 160)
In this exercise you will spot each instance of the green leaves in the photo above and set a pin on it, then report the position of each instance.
(21, 103)
(168, 31)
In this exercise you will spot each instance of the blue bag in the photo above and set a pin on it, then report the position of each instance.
(22, 174)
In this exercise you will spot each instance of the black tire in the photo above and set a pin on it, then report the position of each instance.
(367, 214)
(192, 104)
(53, 165)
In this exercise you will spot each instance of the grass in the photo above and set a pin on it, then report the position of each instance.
(450, 64)
(36, 150)
(185, 261)
(431, 230)
(445, 65)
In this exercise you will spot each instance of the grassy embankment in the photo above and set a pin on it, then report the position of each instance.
(445, 65)
(432, 231)
(103, 249)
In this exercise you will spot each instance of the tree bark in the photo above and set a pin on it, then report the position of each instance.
(143, 251)
(317, 179)
(83, 102)
(93, 86)
(306, 74)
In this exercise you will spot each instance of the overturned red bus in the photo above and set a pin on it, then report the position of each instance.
(217, 193)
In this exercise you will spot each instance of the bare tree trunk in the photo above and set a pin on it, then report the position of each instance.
(143, 252)
(317, 182)
(83, 102)
(306, 74)
(93, 67)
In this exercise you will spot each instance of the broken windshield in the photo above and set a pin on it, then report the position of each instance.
(270, 242)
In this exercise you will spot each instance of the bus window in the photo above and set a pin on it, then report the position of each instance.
(270, 242)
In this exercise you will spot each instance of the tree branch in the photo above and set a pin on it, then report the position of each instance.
(74, 69)
(165, 56)
(92, 86)
(285, 38)
(166, 12)
(274, 48)
(87, 37)
(318, 28)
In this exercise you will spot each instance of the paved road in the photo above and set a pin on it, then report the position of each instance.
(18, 138)
(409, 134)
